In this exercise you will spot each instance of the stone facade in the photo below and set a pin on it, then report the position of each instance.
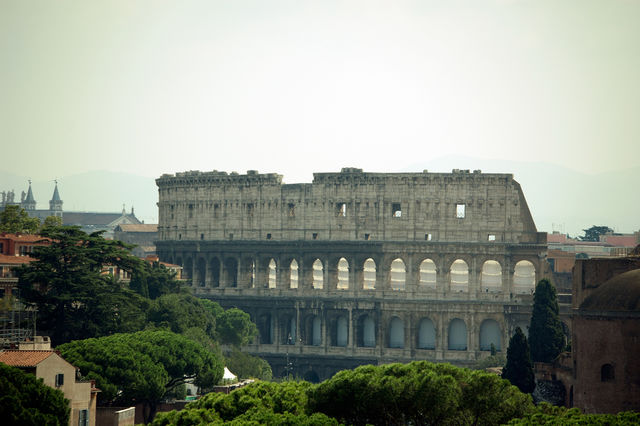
(358, 267)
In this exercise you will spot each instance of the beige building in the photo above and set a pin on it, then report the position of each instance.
(58, 374)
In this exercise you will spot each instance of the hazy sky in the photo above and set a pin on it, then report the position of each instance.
(293, 87)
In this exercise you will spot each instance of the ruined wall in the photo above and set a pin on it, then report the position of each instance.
(356, 266)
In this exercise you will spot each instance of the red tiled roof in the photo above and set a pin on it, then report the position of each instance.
(24, 358)
(14, 260)
(26, 238)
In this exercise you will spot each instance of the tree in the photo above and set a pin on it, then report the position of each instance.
(152, 280)
(74, 298)
(52, 222)
(247, 366)
(519, 369)
(143, 366)
(545, 332)
(234, 327)
(26, 400)
(593, 233)
(14, 219)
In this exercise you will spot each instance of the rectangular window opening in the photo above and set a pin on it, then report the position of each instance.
(396, 210)
(492, 237)
(367, 237)
(427, 237)
(315, 235)
(59, 379)
(202, 236)
(250, 209)
(460, 211)
(341, 209)
(292, 210)
(268, 236)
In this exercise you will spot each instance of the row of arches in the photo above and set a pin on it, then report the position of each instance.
(490, 276)
(366, 333)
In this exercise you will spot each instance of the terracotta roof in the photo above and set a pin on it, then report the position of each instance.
(14, 260)
(22, 237)
(143, 227)
(24, 358)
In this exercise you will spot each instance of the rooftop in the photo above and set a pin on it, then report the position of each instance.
(24, 358)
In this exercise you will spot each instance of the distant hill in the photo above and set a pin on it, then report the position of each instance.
(559, 198)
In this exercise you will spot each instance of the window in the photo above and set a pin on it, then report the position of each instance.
(427, 237)
(396, 210)
(250, 209)
(83, 418)
(367, 237)
(230, 236)
(315, 235)
(492, 237)
(202, 236)
(460, 211)
(292, 210)
(268, 236)
(190, 210)
(607, 373)
(341, 209)
(59, 381)
(216, 210)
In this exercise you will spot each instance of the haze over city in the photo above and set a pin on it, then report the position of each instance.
(147, 88)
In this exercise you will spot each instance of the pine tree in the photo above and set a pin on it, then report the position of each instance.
(545, 332)
(519, 369)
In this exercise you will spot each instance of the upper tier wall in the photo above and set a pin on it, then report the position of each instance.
(350, 205)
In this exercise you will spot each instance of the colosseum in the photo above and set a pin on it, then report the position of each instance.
(355, 267)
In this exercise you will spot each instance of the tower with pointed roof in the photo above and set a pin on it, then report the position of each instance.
(29, 203)
(55, 204)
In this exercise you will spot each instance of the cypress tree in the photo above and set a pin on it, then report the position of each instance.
(545, 332)
(519, 369)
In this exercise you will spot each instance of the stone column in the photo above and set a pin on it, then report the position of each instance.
(282, 274)
(350, 329)
(331, 276)
(411, 278)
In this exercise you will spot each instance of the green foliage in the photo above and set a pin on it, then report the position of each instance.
(180, 312)
(547, 414)
(257, 404)
(234, 327)
(26, 400)
(14, 219)
(52, 222)
(152, 280)
(490, 361)
(519, 369)
(246, 366)
(142, 366)
(593, 233)
(75, 300)
(418, 393)
(546, 337)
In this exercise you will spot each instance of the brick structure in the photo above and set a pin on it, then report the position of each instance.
(358, 267)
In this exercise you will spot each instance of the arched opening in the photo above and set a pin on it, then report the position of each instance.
(265, 329)
(340, 332)
(293, 274)
(343, 274)
(428, 274)
(396, 333)
(318, 274)
(490, 334)
(288, 330)
(316, 333)
(188, 270)
(457, 335)
(214, 267)
(272, 274)
(311, 377)
(524, 277)
(366, 332)
(398, 275)
(369, 274)
(253, 274)
(491, 276)
(459, 276)
(202, 272)
(607, 373)
(426, 334)
(231, 272)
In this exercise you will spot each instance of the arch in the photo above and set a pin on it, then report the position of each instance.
(316, 331)
(396, 333)
(318, 274)
(293, 274)
(491, 276)
(265, 329)
(457, 335)
(369, 274)
(341, 331)
(398, 274)
(343, 274)
(201, 268)
(607, 373)
(214, 268)
(426, 334)
(231, 272)
(272, 276)
(253, 274)
(524, 277)
(459, 276)
(288, 330)
(311, 377)
(490, 333)
(366, 331)
(428, 274)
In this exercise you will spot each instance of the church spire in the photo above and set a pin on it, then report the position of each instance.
(56, 203)
(30, 202)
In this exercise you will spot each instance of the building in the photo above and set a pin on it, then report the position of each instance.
(358, 268)
(57, 373)
(14, 251)
(143, 236)
(28, 203)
